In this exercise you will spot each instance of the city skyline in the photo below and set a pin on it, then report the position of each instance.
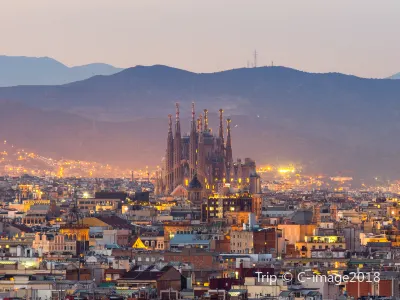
(199, 150)
(331, 37)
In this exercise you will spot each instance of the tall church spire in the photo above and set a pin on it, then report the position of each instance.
(177, 121)
(205, 120)
(169, 124)
(221, 126)
(221, 145)
(201, 152)
(201, 123)
(178, 173)
(193, 142)
(228, 130)
(169, 158)
(193, 118)
(228, 150)
(198, 124)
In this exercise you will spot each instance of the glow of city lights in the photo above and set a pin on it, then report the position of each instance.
(285, 170)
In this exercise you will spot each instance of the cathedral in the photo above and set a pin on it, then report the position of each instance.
(202, 160)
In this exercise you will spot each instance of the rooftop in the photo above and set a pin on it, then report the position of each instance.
(195, 183)
(188, 239)
(115, 222)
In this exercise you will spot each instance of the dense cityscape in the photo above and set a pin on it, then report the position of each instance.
(203, 225)
(199, 150)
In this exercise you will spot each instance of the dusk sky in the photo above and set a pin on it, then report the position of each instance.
(359, 37)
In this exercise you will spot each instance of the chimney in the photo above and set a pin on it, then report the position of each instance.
(241, 272)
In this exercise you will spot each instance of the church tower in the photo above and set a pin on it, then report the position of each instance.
(193, 142)
(169, 159)
(206, 120)
(221, 146)
(201, 152)
(228, 151)
(195, 191)
(178, 170)
(221, 130)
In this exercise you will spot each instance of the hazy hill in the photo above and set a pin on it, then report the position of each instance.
(330, 122)
(141, 142)
(20, 70)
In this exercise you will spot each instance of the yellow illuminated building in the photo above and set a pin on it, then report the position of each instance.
(320, 242)
(366, 238)
(89, 205)
(76, 232)
(28, 203)
(164, 206)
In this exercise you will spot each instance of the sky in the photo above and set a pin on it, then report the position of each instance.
(359, 37)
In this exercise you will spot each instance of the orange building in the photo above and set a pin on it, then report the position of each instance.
(296, 232)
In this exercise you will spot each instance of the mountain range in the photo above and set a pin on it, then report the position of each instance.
(331, 123)
(21, 70)
(395, 76)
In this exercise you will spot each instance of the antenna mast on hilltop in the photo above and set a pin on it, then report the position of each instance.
(255, 58)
